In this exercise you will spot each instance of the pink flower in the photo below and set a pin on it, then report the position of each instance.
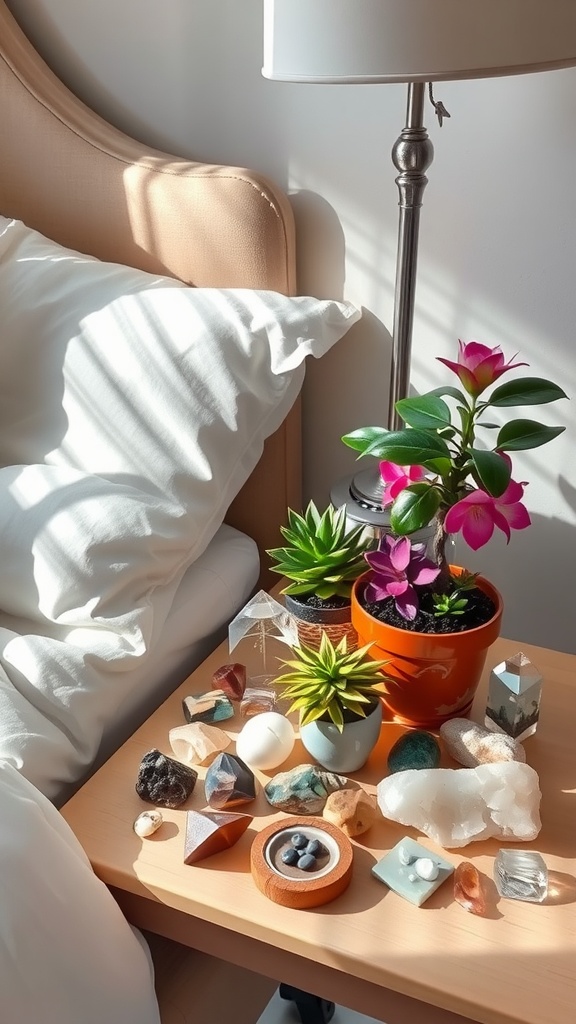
(478, 513)
(479, 366)
(398, 566)
(396, 478)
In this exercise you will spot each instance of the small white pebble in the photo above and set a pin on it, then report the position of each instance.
(404, 857)
(412, 877)
(426, 868)
(147, 823)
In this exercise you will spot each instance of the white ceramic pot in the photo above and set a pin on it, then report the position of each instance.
(346, 751)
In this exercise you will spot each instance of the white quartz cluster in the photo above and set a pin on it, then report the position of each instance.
(454, 807)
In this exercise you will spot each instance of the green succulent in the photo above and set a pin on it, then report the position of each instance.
(331, 681)
(323, 557)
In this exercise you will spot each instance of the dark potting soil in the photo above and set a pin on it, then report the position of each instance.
(312, 601)
(480, 609)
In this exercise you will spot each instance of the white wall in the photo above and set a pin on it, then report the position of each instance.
(498, 231)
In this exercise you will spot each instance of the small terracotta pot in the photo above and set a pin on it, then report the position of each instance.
(434, 676)
(312, 622)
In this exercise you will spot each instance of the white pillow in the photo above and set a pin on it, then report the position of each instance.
(144, 381)
(67, 955)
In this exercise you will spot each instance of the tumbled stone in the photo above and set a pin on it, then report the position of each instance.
(214, 706)
(147, 823)
(257, 700)
(303, 790)
(210, 832)
(415, 749)
(231, 679)
(164, 781)
(352, 810)
(455, 806)
(471, 744)
(229, 782)
(198, 743)
(468, 890)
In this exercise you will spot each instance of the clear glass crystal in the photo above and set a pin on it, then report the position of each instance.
(260, 636)
(521, 875)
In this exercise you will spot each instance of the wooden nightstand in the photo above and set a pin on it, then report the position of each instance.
(369, 949)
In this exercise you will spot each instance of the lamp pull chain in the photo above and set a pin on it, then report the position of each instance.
(439, 107)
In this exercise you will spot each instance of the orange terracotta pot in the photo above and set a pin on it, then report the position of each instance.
(434, 676)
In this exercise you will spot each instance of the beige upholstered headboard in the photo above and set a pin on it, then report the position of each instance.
(78, 180)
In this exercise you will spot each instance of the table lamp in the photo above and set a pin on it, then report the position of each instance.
(417, 42)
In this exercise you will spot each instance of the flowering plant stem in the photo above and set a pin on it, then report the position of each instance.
(445, 476)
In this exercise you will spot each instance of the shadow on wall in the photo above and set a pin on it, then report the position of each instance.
(531, 575)
(341, 400)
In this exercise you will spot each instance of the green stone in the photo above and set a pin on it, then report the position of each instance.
(415, 749)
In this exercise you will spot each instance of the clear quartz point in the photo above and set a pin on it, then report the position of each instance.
(521, 875)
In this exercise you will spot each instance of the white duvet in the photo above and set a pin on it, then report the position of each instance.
(67, 955)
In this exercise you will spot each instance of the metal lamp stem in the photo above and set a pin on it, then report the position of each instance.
(412, 154)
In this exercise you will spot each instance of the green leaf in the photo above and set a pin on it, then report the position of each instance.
(364, 438)
(414, 508)
(450, 391)
(527, 391)
(493, 471)
(408, 447)
(428, 412)
(520, 435)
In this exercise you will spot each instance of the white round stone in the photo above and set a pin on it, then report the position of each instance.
(147, 823)
(426, 868)
(266, 740)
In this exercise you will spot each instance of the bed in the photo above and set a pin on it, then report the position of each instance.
(151, 363)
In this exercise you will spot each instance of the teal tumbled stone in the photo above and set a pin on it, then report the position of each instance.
(415, 749)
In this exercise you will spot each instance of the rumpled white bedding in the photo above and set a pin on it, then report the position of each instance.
(67, 954)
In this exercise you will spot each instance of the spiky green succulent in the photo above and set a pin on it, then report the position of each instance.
(322, 557)
(331, 681)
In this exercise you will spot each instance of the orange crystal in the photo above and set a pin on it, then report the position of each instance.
(468, 890)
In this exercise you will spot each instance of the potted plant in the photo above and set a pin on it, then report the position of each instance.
(420, 612)
(322, 559)
(337, 693)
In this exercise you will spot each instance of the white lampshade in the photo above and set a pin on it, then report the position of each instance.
(339, 41)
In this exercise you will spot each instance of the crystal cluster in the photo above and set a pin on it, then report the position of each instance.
(164, 781)
(454, 806)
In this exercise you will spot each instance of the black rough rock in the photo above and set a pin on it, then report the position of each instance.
(163, 781)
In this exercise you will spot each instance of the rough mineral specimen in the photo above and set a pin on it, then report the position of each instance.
(303, 790)
(213, 706)
(163, 781)
(209, 832)
(198, 743)
(147, 823)
(521, 875)
(352, 810)
(231, 679)
(471, 744)
(229, 782)
(415, 749)
(457, 806)
(468, 889)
